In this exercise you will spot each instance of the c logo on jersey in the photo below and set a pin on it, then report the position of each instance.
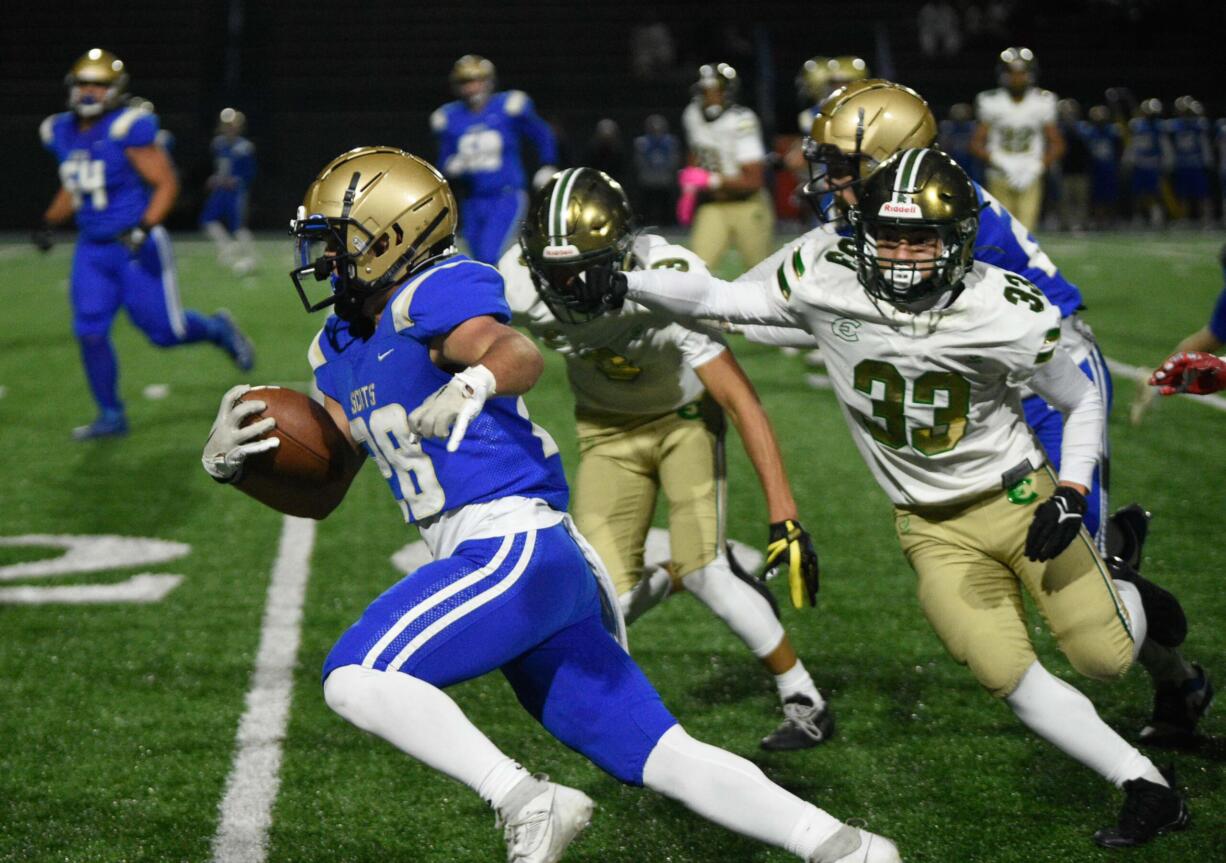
(845, 329)
(1021, 494)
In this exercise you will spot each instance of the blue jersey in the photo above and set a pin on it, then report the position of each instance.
(108, 193)
(1189, 138)
(1147, 144)
(955, 138)
(1217, 323)
(234, 157)
(381, 380)
(1103, 143)
(482, 147)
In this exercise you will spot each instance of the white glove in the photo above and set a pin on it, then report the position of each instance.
(452, 407)
(229, 443)
(542, 176)
(1022, 177)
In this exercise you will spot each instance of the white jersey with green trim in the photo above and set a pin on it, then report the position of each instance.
(931, 399)
(636, 361)
(1015, 127)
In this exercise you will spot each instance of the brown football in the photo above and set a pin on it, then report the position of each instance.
(308, 472)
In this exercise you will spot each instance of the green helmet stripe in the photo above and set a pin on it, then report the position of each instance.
(908, 172)
(559, 204)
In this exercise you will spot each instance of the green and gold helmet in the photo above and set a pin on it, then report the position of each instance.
(915, 197)
(101, 68)
(1017, 61)
(581, 217)
(716, 89)
(813, 80)
(372, 218)
(859, 127)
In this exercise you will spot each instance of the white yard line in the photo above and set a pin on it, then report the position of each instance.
(1136, 373)
(251, 789)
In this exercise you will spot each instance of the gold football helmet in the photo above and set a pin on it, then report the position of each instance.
(473, 67)
(915, 195)
(859, 127)
(372, 218)
(1019, 61)
(98, 68)
(813, 80)
(231, 121)
(581, 217)
(717, 87)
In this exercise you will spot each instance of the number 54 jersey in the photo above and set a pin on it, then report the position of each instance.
(380, 380)
(932, 399)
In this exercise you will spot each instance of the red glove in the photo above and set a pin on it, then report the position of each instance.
(1190, 372)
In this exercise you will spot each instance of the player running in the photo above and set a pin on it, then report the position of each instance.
(224, 218)
(650, 399)
(926, 349)
(421, 373)
(120, 185)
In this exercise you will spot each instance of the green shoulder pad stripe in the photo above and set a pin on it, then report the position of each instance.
(784, 287)
(798, 263)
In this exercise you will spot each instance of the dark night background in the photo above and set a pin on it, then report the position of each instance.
(317, 79)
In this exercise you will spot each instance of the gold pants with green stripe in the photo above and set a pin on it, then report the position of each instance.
(747, 225)
(971, 573)
(623, 465)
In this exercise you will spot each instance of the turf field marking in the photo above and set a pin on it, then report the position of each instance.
(1136, 373)
(142, 588)
(251, 788)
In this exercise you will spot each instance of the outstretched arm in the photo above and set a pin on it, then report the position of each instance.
(699, 295)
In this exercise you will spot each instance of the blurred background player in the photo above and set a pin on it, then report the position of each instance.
(657, 158)
(956, 132)
(1017, 137)
(725, 182)
(1071, 175)
(1147, 160)
(1192, 156)
(861, 126)
(224, 217)
(1104, 143)
(120, 185)
(422, 332)
(479, 138)
(651, 398)
(821, 76)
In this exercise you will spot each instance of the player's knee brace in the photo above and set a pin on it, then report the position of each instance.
(746, 612)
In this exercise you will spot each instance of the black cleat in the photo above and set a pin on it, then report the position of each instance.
(1126, 531)
(1167, 624)
(1178, 707)
(805, 726)
(1149, 809)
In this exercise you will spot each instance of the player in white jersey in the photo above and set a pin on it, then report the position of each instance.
(1017, 136)
(650, 399)
(926, 349)
(723, 189)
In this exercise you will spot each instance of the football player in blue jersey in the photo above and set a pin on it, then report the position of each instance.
(421, 372)
(224, 217)
(865, 123)
(1148, 158)
(1103, 140)
(120, 185)
(479, 137)
(1189, 132)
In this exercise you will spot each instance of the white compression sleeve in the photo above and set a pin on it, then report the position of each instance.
(1137, 622)
(746, 611)
(784, 337)
(1064, 387)
(732, 792)
(1066, 719)
(699, 295)
(423, 721)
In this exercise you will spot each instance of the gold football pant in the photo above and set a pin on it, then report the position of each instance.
(622, 467)
(1025, 205)
(971, 573)
(747, 225)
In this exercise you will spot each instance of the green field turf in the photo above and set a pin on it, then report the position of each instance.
(118, 721)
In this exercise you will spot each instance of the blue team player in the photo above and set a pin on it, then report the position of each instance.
(1103, 141)
(861, 126)
(120, 185)
(1147, 159)
(224, 217)
(479, 138)
(421, 372)
(1189, 132)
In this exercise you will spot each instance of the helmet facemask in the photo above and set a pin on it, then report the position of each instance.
(832, 175)
(555, 280)
(912, 284)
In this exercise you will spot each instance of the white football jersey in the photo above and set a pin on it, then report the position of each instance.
(931, 399)
(635, 361)
(1015, 129)
(732, 139)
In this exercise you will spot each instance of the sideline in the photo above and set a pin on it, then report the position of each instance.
(251, 788)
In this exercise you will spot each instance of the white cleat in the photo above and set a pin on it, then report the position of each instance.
(544, 826)
(853, 845)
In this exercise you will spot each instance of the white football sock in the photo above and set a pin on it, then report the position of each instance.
(221, 237)
(732, 792)
(746, 611)
(796, 681)
(652, 589)
(424, 722)
(1066, 719)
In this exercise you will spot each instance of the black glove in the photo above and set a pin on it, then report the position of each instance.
(602, 288)
(43, 238)
(134, 238)
(791, 544)
(1056, 523)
